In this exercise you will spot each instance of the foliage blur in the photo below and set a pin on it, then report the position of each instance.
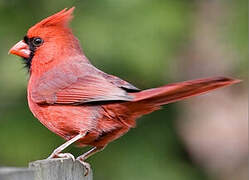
(148, 43)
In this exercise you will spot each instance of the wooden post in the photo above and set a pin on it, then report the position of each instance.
(13, 173)
(54, 169)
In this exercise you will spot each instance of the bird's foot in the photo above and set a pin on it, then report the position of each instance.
(85, 164)
(61, 155)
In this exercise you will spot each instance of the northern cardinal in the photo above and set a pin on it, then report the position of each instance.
(79, 102)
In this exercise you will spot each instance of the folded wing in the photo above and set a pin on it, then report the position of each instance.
(78, 83)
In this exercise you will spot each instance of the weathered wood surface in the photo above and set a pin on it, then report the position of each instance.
(54, 169)
(12, 173)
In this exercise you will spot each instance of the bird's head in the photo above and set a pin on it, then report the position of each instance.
(48, 42)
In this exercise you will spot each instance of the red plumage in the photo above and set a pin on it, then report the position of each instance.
(79, 102)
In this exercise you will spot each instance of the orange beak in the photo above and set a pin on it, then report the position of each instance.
(20, 49)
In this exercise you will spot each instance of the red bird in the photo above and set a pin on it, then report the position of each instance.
(79, 102)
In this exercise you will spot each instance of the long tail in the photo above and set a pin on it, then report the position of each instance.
(178, 91)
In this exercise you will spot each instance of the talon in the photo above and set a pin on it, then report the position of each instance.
(66, 155)
(86, 165)
(61, 155)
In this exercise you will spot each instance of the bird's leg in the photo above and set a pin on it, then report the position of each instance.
(57, 151)
(86, 155)
(89, 153)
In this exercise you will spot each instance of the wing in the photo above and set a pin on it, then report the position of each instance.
(120, 83)
(76, 83)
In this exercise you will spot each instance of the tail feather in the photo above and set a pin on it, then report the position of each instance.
(178, 91)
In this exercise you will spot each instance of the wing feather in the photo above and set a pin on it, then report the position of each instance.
(76, 83)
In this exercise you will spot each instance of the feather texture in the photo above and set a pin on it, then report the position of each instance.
(75, 83)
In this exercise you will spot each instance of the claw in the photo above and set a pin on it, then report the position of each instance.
(86, 165)
(61, 155)
(66, 155)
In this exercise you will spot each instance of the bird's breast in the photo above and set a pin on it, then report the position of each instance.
(65, 120)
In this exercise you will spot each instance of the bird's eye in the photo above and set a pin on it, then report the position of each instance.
(37, 41)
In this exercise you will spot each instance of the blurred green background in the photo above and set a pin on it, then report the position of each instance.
(148, 43)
